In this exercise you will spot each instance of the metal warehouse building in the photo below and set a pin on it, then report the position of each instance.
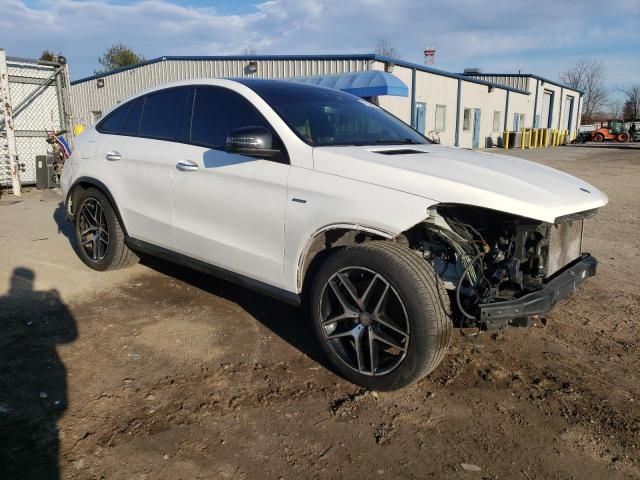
(471, 109)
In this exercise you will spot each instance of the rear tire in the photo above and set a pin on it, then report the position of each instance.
(623, 137)
(385, 298)
(100, 238)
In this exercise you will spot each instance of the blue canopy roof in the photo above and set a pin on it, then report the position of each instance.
(370, 83)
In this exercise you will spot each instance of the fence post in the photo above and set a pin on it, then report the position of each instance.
(9, 127)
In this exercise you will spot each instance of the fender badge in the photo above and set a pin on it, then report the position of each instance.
(584, 190)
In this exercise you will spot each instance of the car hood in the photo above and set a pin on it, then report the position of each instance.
(455, 175)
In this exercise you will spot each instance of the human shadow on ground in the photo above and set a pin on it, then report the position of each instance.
(33, 378)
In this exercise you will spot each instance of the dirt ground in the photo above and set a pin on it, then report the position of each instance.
(158, 372)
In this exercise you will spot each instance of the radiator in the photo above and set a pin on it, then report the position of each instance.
(565, 245)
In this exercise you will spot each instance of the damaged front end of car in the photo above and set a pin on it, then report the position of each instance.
(500, 269)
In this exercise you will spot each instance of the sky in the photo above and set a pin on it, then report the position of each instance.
(542, 37)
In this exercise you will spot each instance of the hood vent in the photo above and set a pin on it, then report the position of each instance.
(398, 151)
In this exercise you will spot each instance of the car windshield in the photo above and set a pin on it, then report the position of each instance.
(323, 116)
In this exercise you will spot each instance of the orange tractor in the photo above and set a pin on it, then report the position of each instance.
(610, 130)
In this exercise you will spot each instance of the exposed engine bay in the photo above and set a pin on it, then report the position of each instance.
(484, 256)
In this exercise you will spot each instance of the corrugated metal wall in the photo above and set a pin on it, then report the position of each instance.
(431, 88)
(434, 90)
(88, 98)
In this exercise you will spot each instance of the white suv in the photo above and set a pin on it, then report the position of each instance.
(308, 193)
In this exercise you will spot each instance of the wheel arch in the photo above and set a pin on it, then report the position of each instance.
(84, 183)
(329, 239)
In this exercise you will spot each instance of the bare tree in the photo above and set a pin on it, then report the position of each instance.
(632, 101)
(249, 51)
(615, 109)
(588, 76)
(385, 49)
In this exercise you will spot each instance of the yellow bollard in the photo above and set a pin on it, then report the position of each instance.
(505, 143)
(530, 137)
(535, 138)
(522, 138)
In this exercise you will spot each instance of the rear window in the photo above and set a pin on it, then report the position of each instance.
(131, 125)
(114, 121)
(163, 115)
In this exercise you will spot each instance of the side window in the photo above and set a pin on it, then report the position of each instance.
(132, 123)
(216, 111)
(466, 120)
(163, 114)
(496, 121)
(114, 121)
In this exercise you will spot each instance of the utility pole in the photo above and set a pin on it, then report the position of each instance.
(7, 128)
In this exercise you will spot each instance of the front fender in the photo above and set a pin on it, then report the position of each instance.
(317, 202)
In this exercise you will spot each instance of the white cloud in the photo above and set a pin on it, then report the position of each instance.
(491, 34)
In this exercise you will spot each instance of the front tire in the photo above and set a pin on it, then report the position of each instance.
(598, 137)
(381, 315)
(99, 235)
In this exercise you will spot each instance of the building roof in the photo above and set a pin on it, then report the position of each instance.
(362, 56)
(530, 75)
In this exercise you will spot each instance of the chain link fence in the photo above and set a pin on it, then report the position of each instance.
(38, 94)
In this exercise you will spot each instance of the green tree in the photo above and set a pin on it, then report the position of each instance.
(117, 56)
(47, 56)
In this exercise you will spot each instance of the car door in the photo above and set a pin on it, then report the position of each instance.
(229, 208)
(139, 160)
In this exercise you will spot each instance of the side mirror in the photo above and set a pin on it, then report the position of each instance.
(252, 141)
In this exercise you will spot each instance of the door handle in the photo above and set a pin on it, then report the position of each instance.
(113, 156)
(187, 166)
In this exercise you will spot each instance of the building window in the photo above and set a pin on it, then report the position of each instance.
(441, 116)
(496, 121)
(522, 119)
(466, 120)
(516, 122)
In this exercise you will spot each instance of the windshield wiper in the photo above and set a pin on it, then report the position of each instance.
(397, 141)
